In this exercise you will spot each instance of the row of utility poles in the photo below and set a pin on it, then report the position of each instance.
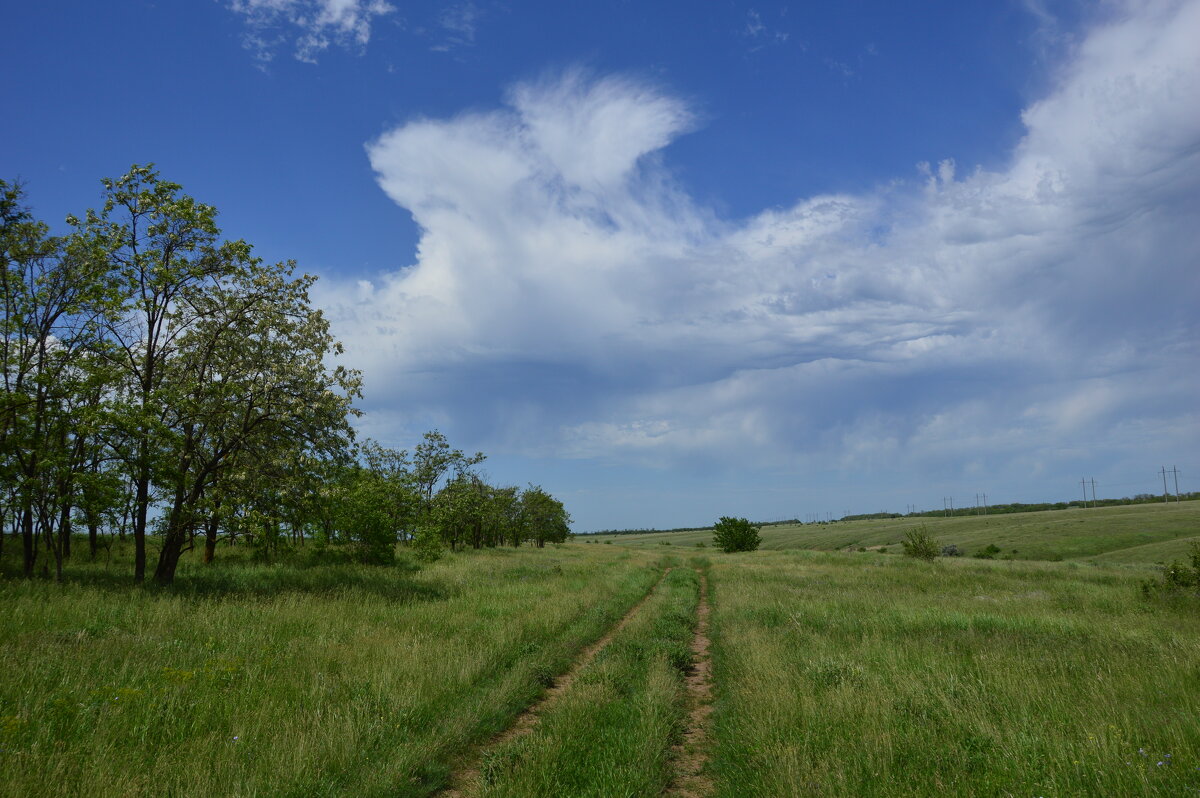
(981, 499)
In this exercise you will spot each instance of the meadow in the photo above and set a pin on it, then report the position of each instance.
(1139, 534)
(564, 671)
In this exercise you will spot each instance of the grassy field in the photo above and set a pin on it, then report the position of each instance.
(835, 672)
(261, 680)
(1140, 533)
(884, 676)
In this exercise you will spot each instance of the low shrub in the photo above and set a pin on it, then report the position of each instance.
(1178, 578)
(987, 553)
(920, 545)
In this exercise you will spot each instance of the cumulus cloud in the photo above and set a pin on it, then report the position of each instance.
(311, 25)
(569, 298)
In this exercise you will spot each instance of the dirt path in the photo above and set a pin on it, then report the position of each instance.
(465, 781)
(691, 753)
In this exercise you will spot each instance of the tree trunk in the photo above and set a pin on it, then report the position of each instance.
(93, 534)
(210, 539)
(27, 538)
(141, 507)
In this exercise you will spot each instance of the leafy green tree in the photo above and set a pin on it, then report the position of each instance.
(735, 534)
(249, 373)
(52, 297)
(161, 247)
(543, 517)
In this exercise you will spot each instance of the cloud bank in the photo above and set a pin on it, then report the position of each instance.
(570, 299)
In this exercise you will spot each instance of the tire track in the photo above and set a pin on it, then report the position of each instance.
(465, 781)
(691, 753)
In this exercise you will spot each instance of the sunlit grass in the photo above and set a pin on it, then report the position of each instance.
(272, 680)
(611, 733)
(881, 676)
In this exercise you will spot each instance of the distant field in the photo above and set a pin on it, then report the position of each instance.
(1135, 534)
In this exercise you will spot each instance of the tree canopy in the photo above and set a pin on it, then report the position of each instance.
(160, 382)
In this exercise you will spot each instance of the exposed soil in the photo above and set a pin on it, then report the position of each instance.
(691, 753)
(464, 782)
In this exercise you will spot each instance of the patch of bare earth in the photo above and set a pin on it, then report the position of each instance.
(690, 754)
(466, 781)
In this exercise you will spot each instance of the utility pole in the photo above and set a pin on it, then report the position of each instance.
(985, 504)
(1175, 471)
(1093, 491)
(1164, 475)
(1083, 484)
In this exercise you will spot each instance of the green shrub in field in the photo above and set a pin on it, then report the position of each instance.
(1178, 577)
(735, 534)
(987, 553)
(427, 544)
(918, 543)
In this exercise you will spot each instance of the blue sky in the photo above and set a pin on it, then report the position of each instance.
(678, 260)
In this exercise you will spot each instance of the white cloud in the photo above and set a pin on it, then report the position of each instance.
(569, 298)
(315, 24)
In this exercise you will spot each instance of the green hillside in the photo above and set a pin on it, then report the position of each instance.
(1137, 534)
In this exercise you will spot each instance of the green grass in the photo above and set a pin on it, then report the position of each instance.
(276, 680)
(883, 676)
(836, 673)
(610, 734)
(1113, 534)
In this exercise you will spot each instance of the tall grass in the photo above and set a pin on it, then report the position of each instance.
(881, 676)
(277, 680)
(611, 733)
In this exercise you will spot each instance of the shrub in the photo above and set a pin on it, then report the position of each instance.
(735, 534)
(427, 544)
(988, 553)
(918, 543)
(951, 551)
(1178, 577)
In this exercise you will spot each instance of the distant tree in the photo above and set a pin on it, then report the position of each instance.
(735, 534)
(544, 518)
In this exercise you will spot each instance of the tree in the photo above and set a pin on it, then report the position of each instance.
(543, 517)
(52, 297)
(249, 377)
(158, 244)
(735, 534)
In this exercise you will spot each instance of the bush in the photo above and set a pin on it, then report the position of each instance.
(1178, 577)
(919, 544)
(735, 534)
(427, 544)
(988, 553)
(951, 551)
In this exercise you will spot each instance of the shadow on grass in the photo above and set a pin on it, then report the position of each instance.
(241, 580)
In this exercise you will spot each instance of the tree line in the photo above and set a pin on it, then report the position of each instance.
(163, 384)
